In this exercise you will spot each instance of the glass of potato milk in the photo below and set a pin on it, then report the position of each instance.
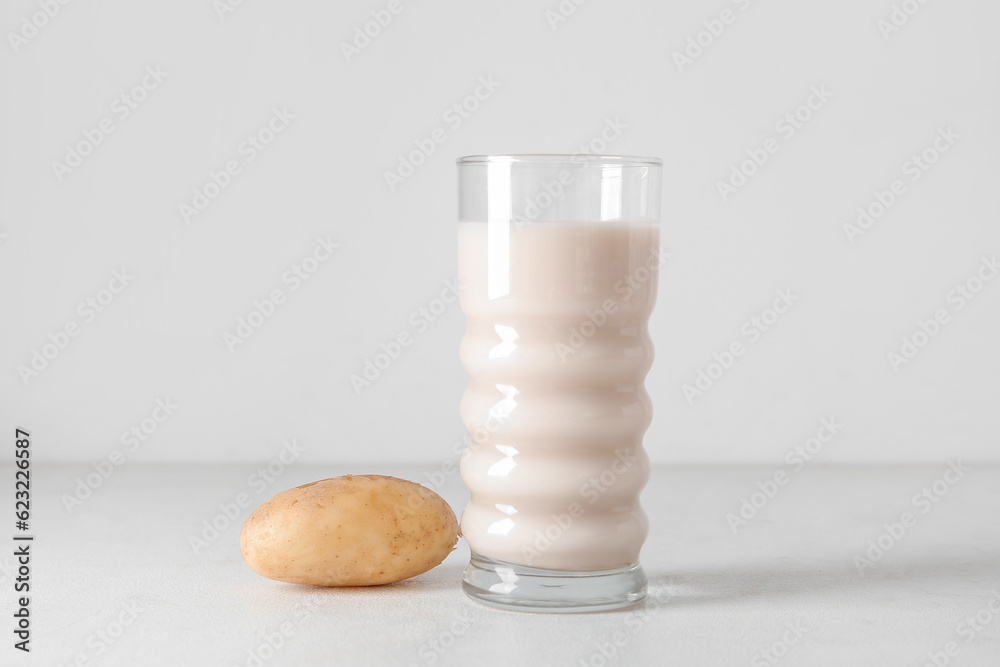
(558, 259)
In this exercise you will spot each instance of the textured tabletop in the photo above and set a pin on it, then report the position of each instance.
(834, 566)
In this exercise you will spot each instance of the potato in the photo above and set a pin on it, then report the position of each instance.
(356, 530)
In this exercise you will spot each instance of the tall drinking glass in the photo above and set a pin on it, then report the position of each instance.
(558, 258)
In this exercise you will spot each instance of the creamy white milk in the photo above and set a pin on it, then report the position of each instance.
(557, 350)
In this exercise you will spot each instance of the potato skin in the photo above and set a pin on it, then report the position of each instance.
(355, 530)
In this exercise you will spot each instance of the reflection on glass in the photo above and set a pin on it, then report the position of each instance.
(503, 467)
(506, 346)
(508, 581)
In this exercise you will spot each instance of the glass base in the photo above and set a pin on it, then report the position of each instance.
(523, 588)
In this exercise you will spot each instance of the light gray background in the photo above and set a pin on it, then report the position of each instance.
(324, 175)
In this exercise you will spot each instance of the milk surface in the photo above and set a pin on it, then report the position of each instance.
(557, 349)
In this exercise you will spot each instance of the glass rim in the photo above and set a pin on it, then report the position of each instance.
(573, 159)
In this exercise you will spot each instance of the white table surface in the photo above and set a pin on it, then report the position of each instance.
(716, 598)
